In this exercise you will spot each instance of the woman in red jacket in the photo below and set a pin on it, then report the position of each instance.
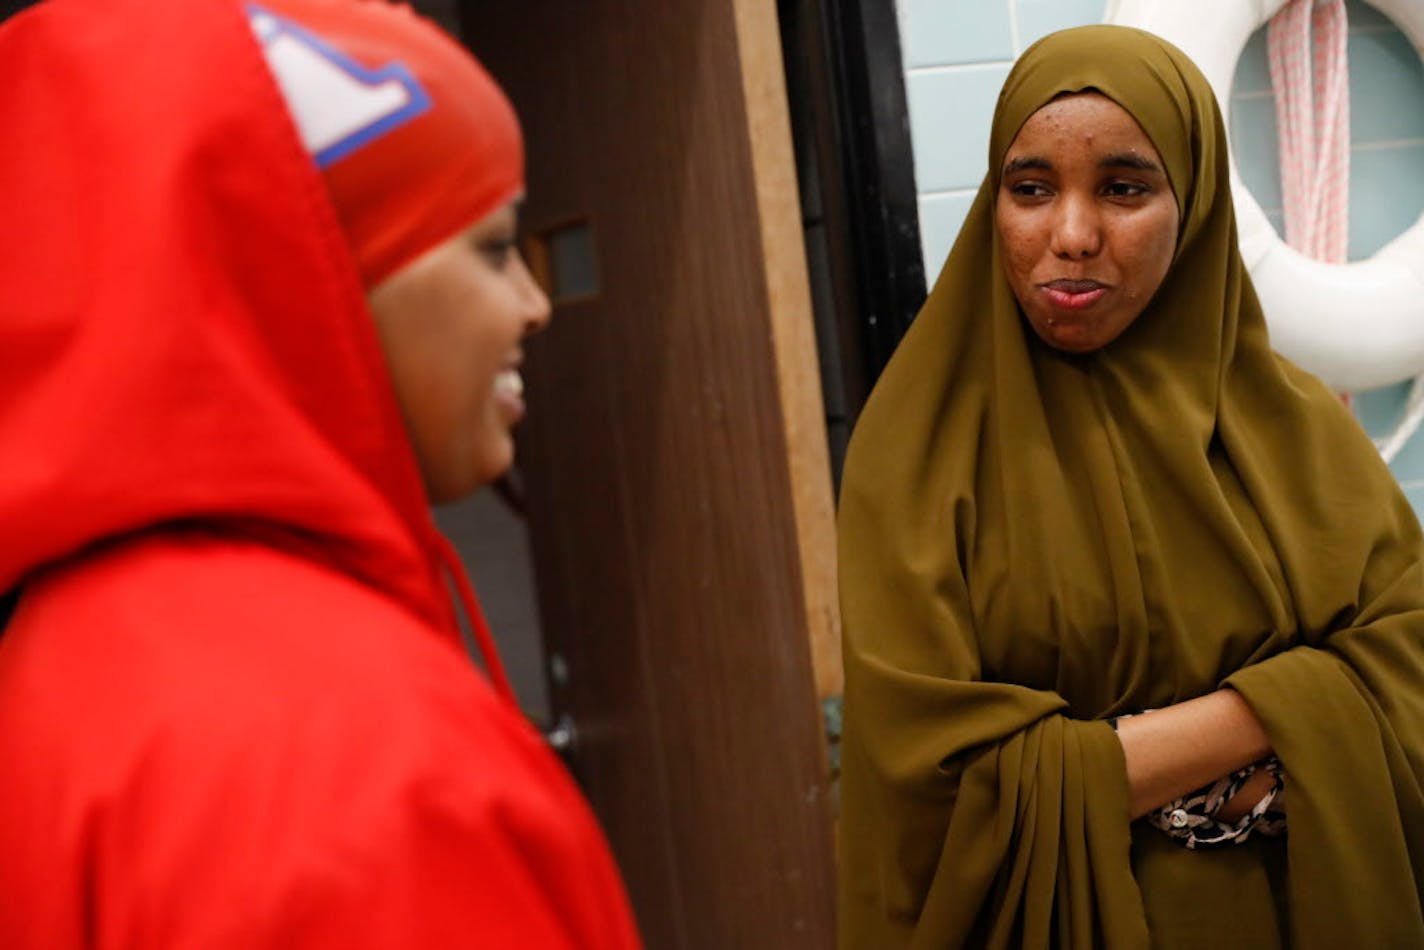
(260, 303)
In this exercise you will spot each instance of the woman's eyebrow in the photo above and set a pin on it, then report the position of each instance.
(1027, 162)
(1129, 160)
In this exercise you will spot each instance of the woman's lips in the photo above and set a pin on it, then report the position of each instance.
(1073, 294)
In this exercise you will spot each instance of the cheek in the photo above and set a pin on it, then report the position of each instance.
(1151, 246)
(494, 309)
(492, 334)
(1016, 246)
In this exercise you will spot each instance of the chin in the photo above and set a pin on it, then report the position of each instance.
(1065, 344)
(1079, 339)
(493, 463)
(459, 475)
(1076, 347)
(453, 486)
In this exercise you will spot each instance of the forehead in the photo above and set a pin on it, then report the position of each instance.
(1084, 123)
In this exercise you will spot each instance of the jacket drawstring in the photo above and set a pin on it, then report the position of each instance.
(489, 654)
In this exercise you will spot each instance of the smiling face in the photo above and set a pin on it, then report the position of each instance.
(451, 323)
(1087, 221)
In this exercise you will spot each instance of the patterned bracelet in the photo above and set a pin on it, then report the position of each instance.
(1191, 820)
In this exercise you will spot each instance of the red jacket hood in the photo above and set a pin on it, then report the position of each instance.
(183, 333)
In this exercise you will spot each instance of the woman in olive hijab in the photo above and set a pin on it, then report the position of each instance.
(1086, 488)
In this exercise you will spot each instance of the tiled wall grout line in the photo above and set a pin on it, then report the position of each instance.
(1386, 144)
(951, 193)
(959, 67)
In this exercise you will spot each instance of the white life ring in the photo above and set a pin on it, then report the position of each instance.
(1358, 325)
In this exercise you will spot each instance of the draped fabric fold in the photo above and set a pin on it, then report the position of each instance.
(1033, 541)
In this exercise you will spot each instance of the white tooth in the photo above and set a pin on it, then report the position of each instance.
(509, 382)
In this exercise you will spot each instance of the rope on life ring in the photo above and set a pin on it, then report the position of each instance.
(1358, 325)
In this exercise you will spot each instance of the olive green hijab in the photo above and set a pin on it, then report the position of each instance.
(1033, 541)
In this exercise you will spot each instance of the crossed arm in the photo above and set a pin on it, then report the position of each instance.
(1173, 750)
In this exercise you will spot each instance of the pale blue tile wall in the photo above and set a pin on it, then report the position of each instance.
(958, 51)
(947, 105)
(1038, 18)
(957, 31)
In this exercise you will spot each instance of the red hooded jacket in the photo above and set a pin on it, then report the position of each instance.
(233, 706)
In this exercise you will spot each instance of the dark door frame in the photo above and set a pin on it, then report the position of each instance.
(9, 8)
(845, 78)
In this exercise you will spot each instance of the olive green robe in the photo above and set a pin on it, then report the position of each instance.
(1033, 541)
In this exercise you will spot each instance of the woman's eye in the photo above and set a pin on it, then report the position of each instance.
(1028, 189)
(1125, 189)
(497, 252)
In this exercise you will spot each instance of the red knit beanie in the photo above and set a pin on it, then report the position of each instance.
(415, 140)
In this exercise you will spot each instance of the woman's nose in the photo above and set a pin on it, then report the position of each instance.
(1077, 231)
(536, 301)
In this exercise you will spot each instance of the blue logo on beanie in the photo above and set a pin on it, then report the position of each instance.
(338, 104)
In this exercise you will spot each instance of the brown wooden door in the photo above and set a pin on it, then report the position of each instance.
(674, 457)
